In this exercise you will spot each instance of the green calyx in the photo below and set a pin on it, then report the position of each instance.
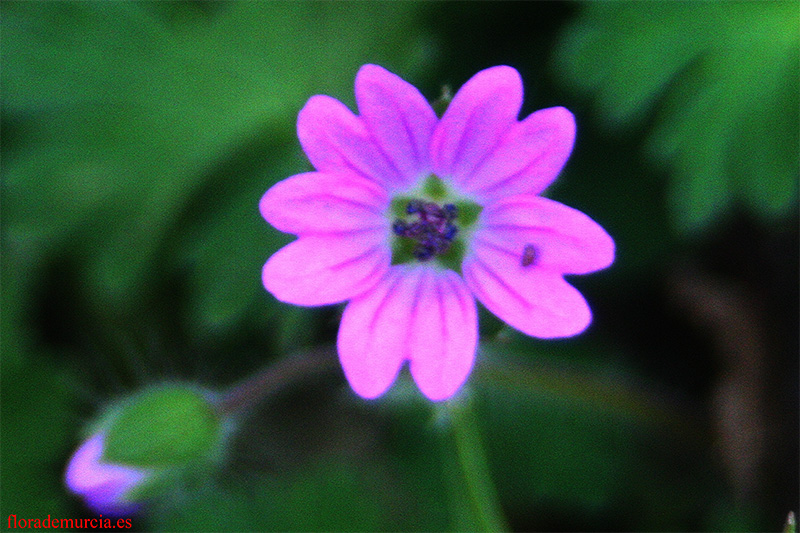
(428, 237)
(167, 426)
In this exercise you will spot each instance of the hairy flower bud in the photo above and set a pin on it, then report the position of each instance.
(142, 443)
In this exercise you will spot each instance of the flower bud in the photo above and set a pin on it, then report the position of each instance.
(142, 443)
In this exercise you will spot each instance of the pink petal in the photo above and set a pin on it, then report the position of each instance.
(534, 300)
(320, 202)
(414, 313)
(103, 485)
(399, 117)
(81, 469)
(479, 116)
(337, 141)
(321, 269)
(528, 158)
(372, 335)
(564, 240)
(444, 334)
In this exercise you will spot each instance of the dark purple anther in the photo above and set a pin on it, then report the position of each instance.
(450, 211)
(432, 210)
(416, 230)
(431, 241)
(449, 232)
(423, 253)
(414, 206)
(399, 227)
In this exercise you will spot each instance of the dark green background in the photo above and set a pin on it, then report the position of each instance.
(137, 139)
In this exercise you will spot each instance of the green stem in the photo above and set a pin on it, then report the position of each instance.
(476, 476)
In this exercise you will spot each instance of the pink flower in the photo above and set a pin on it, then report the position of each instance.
(410, 218)
(104, 486)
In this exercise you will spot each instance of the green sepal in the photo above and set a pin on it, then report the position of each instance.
(453, 257)
(434, 188)
(167, 426)
(403, 251)
(468, 213)
(399, 204)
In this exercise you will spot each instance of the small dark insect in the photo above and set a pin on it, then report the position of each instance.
(528, 255)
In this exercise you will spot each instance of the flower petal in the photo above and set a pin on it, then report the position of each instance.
(478, 117)
(563, 239)
(372, 335)
(414, 313)
(536, 301)
(399, 118)
(321, 269)
(444, 334)
(335, 140)
(103, 485)
(320, 202)
(86, 472)
(529, 157)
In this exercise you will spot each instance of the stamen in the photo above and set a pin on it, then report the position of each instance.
(432, 210)
(414, 206)
(423, 253)
(399, 227)
(433, 231)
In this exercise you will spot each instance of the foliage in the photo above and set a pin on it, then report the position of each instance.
(717, 83)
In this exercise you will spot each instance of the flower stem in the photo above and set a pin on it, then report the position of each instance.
(253, 390)
(475, 473)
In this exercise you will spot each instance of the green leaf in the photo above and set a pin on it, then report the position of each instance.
(169, 426)
(38, 417)
(122, 115)
(335, 496)
(224, 241)
(719, 84)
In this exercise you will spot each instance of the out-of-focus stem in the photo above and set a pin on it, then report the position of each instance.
(253, 390)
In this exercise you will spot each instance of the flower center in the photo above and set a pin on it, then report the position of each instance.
(433, 231)
(432, 225)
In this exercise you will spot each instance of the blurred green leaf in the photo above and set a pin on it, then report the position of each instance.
(15, 300)
(335, 496)
(124, 113)
(38, 420)
(722, 80)
(581, 435)
(221, 238)
(424, 464)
